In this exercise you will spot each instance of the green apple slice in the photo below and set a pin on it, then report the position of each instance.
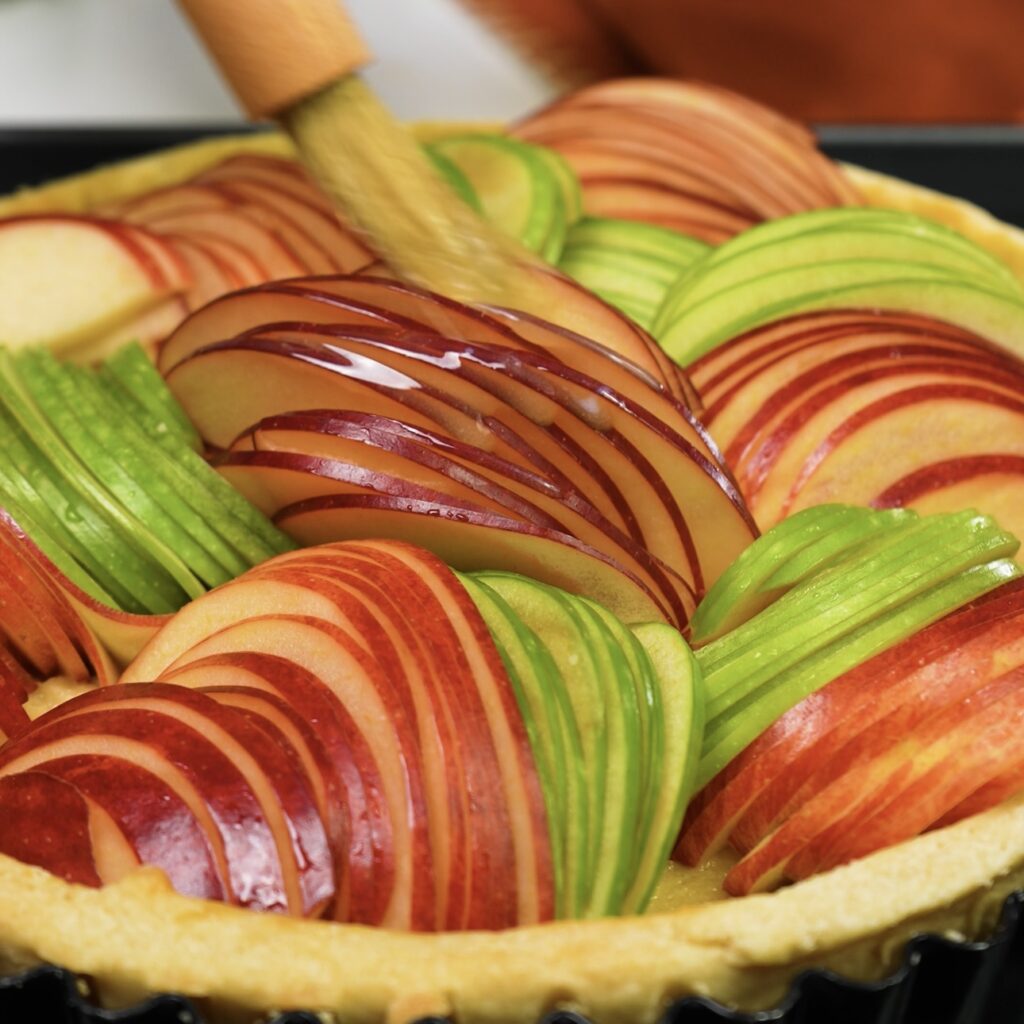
(779, 559)
(541, 610)
(58, 551)
(60, 500)
(851, 540)
(623, 798)
(838, 600)
(516, 188)
(713, 277)
(649, 711)
(178, 492)
(105, 449)
(843, 284)
(552, 732)
(725, 738)
(568, 182)
(838, 218)
(240, 523)
(140, 382)
(681, 698)
(449, 170)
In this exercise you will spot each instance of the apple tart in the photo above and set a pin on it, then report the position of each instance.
(685, 664)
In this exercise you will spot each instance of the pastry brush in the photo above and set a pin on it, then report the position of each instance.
(297, 61)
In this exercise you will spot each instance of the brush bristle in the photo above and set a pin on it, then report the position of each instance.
(382, 181)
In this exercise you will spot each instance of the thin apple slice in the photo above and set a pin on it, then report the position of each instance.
(755, 792)
(980, 419)
(533, 869)
(637, 453)
(739, 359)
(417, 644)
(212, 276)
(156, 823)
(993, 482)
(46, 822)
(172, 199)
(238, 313)
(275, 376)
(247, 597)
(367, 440)
(15, 683)
(368, 697)
(212, 787)
(278, 172)
(334, 247)
(467, 541)
(233, 225)
(356, 820)
(960, 749)
(272, 773)
(107, 280)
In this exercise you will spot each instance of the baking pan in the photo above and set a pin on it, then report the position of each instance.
(940, 981)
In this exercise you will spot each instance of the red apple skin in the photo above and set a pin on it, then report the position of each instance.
(398, 640)
(272, 772)
(45, 822)
(359, 827)
(534, 873)
(362, 689)
(15, 684)
(172, 840)
(239, 828)
(449, 707)
(845, 773)
(719, 373)
(979, 738)
(760, 787)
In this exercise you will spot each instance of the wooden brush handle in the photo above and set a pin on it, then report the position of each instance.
(275, 53)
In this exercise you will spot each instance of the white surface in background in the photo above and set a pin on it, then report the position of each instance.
(124, 61)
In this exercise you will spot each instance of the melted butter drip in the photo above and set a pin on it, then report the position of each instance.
(379, 177)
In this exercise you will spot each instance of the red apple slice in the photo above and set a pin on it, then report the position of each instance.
(210, 785)
(14, 686)
(247, 597)
(155, 822)
(279, 172)
(272, 773)
(371, 440)
(46, 822)
(233, 225)
(964, 748)
(456, 757)
(977, 420)
(468, 541)
(368, 697)
(173, 199)
(238, 313)
(106, 280)
(357, 820)
(754, 794)
(270, 377)
(328, 245)
(482, 663)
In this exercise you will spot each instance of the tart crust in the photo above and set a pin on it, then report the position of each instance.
(139, 937)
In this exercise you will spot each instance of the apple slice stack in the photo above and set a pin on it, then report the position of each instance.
(839, 259)
(687, 156)
(349, 419)
(862, 683)
(249, 219)
(355, 731)
(803, 406)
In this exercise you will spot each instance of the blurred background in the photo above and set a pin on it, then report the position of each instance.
(837, 61)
